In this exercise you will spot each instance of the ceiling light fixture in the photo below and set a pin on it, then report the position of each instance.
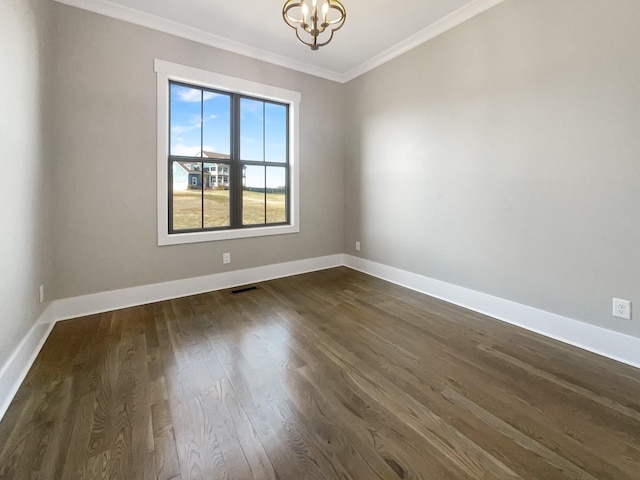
(314, 26)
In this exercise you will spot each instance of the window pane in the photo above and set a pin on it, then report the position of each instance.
(275, 133)
(185, 121)
(187, 195)
(253, 196)
(276, 195)
(251, 129)
(216, 125)
(216, 195)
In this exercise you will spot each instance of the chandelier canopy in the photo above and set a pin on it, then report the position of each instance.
(314, 24)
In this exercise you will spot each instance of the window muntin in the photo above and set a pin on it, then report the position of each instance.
(246, 187)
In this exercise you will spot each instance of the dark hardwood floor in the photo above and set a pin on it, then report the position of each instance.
(328, 375)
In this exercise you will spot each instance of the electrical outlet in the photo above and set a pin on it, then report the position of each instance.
(226, 258)
(357, 246)
(41, 293)
(622, 308)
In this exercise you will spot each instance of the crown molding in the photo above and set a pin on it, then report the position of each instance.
(171, 27)
(437, 28)
(130, 15)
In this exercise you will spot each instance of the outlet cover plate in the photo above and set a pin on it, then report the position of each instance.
(622, 308)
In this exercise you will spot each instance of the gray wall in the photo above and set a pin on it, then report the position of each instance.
(105, 146)
(25, 163)
(504, 156)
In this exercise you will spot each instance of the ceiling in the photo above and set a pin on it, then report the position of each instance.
(375, 30)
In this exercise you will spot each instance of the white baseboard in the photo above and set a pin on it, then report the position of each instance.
(608, 343)
(614, 345)
(129, 297)
(15, 370)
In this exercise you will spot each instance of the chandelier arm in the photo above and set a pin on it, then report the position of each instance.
(335, 5)
(325, 43)
(288, 18)
(301, 40)
(336, 22)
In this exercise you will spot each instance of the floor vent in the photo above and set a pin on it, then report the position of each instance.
(243, 289)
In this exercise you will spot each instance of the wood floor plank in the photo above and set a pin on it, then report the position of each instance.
(198, 445)
(327, 375)
(247, 438)
(164, 444)
(75, 465)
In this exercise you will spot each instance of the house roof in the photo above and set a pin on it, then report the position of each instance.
(187, 165)
(224, 156)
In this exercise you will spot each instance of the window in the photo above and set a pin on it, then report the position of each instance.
(227, 157)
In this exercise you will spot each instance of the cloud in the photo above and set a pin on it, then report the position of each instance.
(184, 150)
(191, 95)
(180, 129)
(194, 125)
(254, 108)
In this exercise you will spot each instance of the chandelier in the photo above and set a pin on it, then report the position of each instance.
(314, 26)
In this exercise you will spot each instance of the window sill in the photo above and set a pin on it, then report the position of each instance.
(197, 237)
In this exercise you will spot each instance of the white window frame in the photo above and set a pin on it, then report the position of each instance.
(166, 71)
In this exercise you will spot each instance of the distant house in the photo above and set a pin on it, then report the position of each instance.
(189, 174)
(180, 176)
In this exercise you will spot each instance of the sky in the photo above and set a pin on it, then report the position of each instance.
(200, 120)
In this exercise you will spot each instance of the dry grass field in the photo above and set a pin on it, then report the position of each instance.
(258, 210)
